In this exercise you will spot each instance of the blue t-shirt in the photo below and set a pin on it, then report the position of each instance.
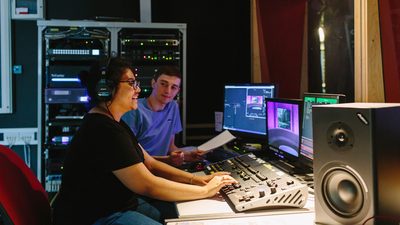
(154, 129)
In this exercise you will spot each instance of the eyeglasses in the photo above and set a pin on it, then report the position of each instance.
(133, 83)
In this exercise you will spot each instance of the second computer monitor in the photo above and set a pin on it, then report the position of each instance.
(244, 109)
(283, 127)
(310, 99)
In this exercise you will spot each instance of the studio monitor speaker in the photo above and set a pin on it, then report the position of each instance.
(357, 163)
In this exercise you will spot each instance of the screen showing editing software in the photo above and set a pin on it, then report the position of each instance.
(310, 99)
(244, 107)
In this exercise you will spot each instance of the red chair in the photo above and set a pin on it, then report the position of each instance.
(23, 200)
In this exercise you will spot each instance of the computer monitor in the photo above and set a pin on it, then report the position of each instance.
(283, 128)
(244, 109)
(310, 99)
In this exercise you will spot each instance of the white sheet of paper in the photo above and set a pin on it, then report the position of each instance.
(219, 116)
(217, 141)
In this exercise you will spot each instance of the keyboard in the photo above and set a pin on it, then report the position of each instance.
(261, 185)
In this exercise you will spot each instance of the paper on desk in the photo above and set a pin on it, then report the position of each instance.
(217, 141)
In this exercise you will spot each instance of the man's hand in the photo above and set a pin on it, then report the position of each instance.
(194, 155)
(176, 157)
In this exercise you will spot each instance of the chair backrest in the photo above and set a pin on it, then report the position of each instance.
(23, 200)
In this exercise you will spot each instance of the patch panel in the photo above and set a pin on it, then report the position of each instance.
(18, 136)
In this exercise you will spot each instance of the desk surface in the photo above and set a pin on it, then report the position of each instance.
(306, 218)
(213, 211)
(217, 207)
(283, 219)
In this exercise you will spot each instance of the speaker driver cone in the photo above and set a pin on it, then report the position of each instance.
(342, 192)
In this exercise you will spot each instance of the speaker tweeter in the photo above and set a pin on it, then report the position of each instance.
(340, 136)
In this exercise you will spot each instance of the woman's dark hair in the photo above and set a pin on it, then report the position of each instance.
(112, 68)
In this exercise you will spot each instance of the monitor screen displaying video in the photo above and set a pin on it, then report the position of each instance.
(283, 127)
(244, 108)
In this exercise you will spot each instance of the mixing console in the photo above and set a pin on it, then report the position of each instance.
(261, 185)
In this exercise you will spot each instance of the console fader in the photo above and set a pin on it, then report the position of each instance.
(261, 185)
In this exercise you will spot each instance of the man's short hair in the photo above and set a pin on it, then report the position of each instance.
(169, 71)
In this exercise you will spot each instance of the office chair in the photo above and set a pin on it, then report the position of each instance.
(23, 200)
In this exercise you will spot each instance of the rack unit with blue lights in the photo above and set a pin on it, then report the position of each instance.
(68, 47)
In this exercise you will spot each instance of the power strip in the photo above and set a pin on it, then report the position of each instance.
(18, 136)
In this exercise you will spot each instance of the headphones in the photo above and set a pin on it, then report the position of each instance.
(105, 87)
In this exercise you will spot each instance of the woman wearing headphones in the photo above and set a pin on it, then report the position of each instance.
(108, 178)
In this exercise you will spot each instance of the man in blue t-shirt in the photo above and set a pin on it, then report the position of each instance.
(157, 119)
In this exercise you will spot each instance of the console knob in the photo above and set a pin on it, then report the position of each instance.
(290, 182)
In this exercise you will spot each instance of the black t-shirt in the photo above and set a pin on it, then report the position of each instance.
(89, 189)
